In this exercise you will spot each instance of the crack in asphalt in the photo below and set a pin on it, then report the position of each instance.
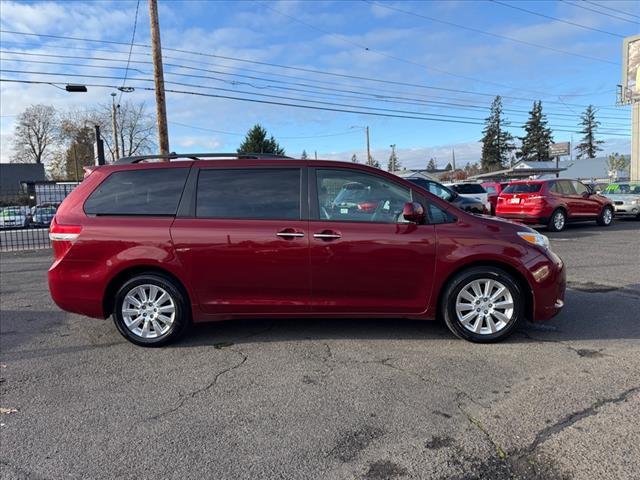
(194, 393)
(478, 424)
(574, 417)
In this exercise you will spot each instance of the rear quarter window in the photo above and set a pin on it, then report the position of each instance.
(138, 192)
(523, 188)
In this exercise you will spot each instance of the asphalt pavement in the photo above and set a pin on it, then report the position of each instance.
(330, 399)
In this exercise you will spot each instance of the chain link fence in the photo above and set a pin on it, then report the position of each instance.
(26, 213)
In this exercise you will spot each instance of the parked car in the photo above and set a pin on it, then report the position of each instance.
(553, 203)
(625, 197)
(471, 190)
(159, 245)
(14, 217)
(493, 192)
(467, 204)
(41, 215)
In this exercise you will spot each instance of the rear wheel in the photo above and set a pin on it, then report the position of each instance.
(558, 221)
(151, 310)
(483, 304)
(606, 217)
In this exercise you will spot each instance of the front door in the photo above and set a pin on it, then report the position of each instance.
(246, 245)
(365, 258)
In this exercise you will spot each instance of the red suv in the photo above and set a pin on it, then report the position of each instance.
(159, 245)
(553, 203)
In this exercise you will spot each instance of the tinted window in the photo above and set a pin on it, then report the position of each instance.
(352, 196)
(523, 188)
(580, 188)
(491, 189)
(437, 215)
(255, 193)
(138, 192)
(466, 188)
(433, 187)
(566, 187)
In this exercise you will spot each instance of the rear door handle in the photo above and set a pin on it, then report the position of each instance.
(289, 233)
(327, 235)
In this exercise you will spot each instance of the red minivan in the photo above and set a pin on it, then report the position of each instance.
(161, 245)
(553, 203)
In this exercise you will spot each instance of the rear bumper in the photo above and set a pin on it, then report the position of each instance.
(534, 219)
(75, 287)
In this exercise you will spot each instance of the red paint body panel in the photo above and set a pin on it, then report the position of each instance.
(239, 268)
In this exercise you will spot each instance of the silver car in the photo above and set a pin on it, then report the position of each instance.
(625, 197)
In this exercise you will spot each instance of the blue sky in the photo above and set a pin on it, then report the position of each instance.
(408, 63)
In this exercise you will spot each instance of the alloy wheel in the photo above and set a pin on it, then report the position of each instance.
(148, 311)
(558, 220)
(607, 216)
(484, 306)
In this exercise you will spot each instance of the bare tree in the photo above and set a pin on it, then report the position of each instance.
(35, 134)
(136, 130)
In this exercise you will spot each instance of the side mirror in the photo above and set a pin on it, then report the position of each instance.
(413, 212)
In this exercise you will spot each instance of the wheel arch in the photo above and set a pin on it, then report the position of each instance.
(510, 269)
(121, 277)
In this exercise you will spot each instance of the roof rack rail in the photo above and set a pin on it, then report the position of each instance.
(200, 156)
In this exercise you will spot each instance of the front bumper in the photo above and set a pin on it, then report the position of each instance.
(548, 285)
(627, 209)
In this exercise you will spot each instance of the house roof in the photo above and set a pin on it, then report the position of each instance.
(416, 174)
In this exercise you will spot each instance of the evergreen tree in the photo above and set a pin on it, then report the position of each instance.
(497, 142)
(393, 165)
(431, 166)
(354, 159)
(449, 167)
(303, 155)
(538, 138)
(256, 141)
(589, 147)
(374, 162)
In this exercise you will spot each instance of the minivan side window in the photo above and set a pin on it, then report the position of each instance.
(153, 191)
(249, 193)
(353, 196)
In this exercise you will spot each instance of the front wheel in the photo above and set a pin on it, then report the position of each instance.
(150, 310)
(483, 304)
(606, 217)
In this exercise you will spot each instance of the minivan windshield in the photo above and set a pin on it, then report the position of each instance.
(523, 188)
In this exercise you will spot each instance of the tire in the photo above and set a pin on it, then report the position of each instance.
(497, 323)
(557, 221)
(158, 322)
(606, 217)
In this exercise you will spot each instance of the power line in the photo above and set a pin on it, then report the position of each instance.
(329, 91)
(133, 37)
(491, 34)
(504, 4)
(611, 9)
(331, 107)
(347, 132)
(306, 70)
(579, 5)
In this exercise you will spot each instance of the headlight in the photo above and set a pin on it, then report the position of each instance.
(635, 202)
(535, 238)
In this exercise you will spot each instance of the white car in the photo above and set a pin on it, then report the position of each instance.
(471, 190)
(626, 198)
(12, 217)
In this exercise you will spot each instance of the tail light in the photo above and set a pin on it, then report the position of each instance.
(62, 237)
(367, 206)
(537, 199)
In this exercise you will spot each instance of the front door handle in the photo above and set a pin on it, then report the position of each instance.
(327, 235)
(289, 233)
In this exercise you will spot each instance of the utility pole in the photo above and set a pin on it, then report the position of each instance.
(368, 147)
(114, 126)
(453, 158)
(393, 158)
(158, 77)
(316, 154)
(75, 160)
(99, 147)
